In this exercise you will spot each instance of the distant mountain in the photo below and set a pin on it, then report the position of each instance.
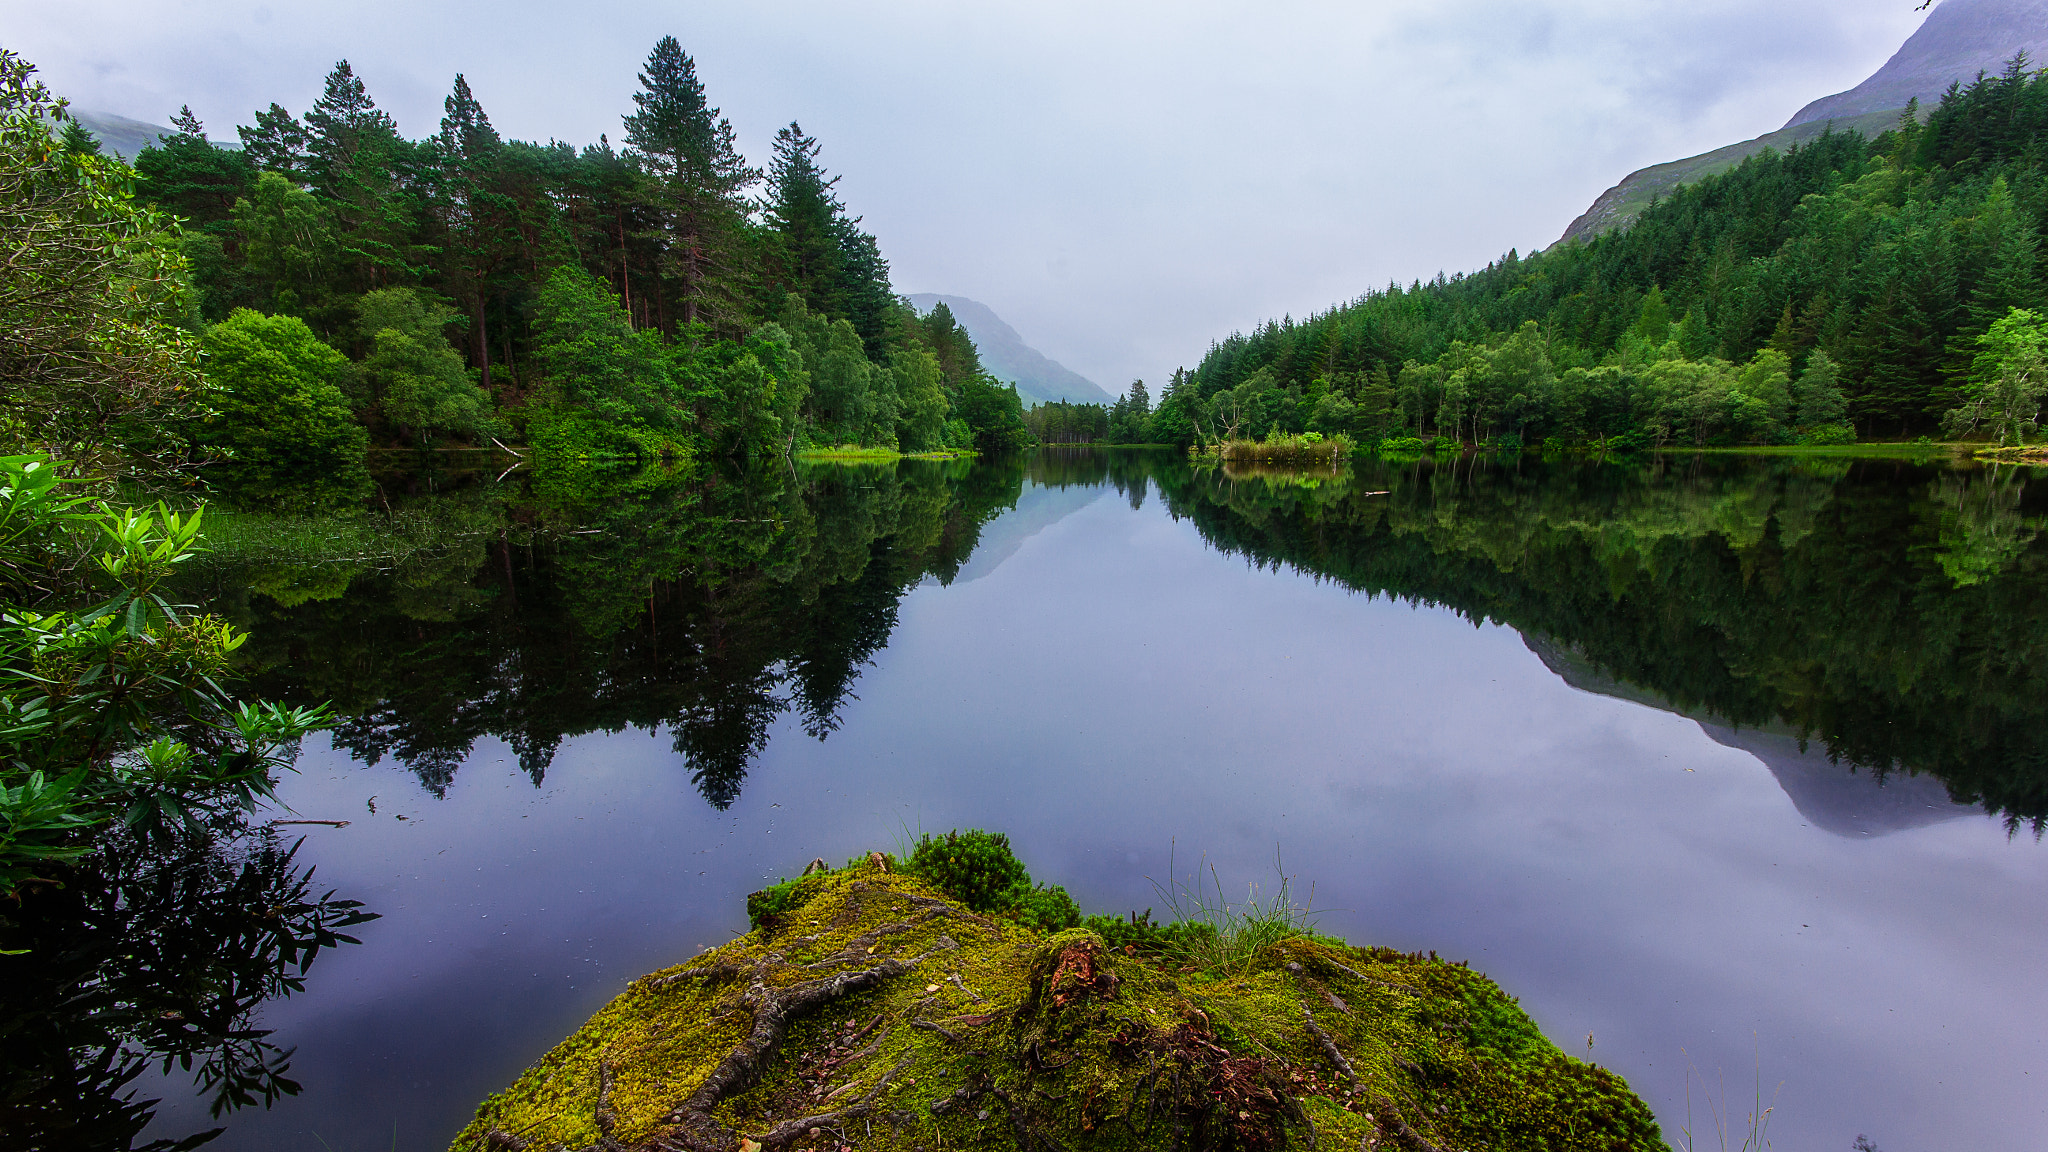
(1619, 206)
(1008, 357)
(120, 135)
(1959, 39)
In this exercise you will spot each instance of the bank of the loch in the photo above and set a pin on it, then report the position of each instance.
(874, 1010)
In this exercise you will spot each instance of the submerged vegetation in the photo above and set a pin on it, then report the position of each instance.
(894, 1005)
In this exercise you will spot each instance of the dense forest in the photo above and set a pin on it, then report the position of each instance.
(1877, 288)
(352, 287)
(243, 325)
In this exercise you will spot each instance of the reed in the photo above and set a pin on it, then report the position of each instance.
(1280, 448)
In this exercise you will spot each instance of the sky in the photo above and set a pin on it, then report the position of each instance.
(1123, 182)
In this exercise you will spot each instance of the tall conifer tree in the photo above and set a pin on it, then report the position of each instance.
(677, 137)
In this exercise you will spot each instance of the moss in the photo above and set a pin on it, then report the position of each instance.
(918, 1023)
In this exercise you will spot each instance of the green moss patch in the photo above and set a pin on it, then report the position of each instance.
(870, 1010)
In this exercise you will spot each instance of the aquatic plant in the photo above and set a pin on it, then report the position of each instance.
(1279, 447)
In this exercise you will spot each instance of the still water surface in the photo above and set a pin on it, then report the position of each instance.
(1543, 717)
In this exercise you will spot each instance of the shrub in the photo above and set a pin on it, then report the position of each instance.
(1046, 908)
(282, 419)
(974, 867)
(1841, 433)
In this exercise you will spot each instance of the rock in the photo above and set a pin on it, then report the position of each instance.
(841, 1018)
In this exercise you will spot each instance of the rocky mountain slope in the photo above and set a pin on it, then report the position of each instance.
(1959, 39)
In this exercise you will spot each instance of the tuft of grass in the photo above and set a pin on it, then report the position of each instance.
(1755, 1128)
(1214, 934)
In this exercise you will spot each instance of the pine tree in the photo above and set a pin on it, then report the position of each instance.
(1817, 395)
(187, 124)
(677, 134)
(353, 155)
(192, 177)
(78, 139)
(343, 125)
(864, 283)
(277, 143)
(804, 211)
(477, 216)
(680, 140)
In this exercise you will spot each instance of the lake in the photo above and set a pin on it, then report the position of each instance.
(1732, 769)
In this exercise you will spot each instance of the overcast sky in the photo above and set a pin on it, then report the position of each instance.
(1123, 182)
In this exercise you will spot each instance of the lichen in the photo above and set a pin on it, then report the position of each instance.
(873, 1012)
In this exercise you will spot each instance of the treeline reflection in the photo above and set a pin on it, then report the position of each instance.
(704, 604)
(1890, 611)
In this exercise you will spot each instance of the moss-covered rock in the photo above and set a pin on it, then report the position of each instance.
(872, 1012)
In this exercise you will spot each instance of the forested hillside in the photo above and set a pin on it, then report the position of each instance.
(1849, 283)
(355, 287)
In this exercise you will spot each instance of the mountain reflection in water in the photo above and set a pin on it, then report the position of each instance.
(1101, 681)
(1882, 612)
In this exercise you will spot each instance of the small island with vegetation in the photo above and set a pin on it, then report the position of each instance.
(944, 1000)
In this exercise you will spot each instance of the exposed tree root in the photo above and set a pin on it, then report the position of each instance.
(1329, 1047)
(774, 1010)
(791, 1130)
(1390, 1120)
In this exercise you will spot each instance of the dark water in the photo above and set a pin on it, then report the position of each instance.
(1737, 766)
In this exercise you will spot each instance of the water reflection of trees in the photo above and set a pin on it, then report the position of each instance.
(707, 604)
(148, 955)
(1892, 610)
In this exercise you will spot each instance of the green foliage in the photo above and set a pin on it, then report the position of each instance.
(114, 715)
(605, 302)
(415, 376)
(1059, 422)
(281, 419)
(94, 366)
(2008, 377)
(975, 867)
(287, 242)
(921, 400)
(1817, 399)
(1046, 908)
(994, 414)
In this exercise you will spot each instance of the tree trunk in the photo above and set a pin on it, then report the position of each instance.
(483, 341)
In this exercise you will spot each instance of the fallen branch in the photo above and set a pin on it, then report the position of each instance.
(329, 823)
